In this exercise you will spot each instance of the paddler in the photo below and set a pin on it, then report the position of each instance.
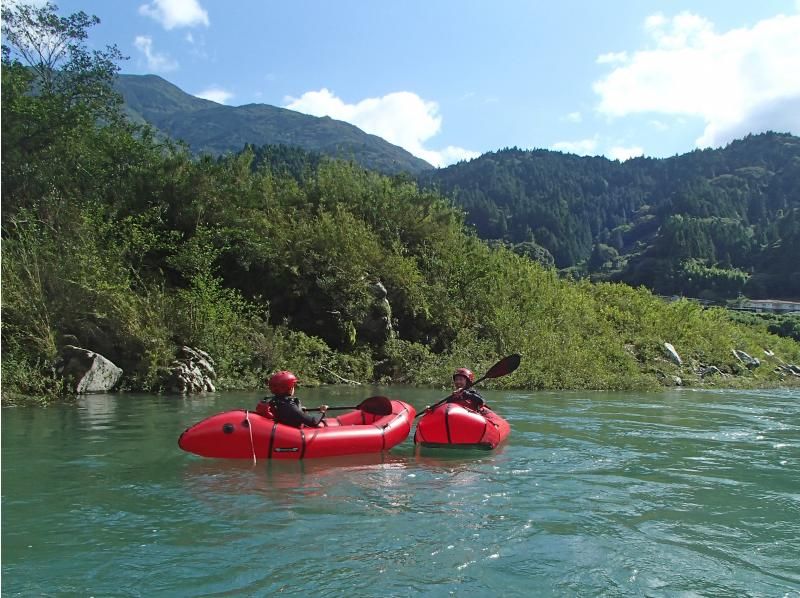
(285, 407)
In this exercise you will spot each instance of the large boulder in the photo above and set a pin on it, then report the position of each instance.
(191, 372)
(85, 371)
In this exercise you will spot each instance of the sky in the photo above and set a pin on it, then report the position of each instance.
(449, 80)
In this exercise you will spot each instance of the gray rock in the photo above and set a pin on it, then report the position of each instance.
(85, 371)
(673, 354)
(750, 362)
(376, 327)
(788, 368)
(192, 372)
(379, 290)
(710, 370)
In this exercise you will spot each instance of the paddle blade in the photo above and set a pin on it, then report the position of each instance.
(376, 405)
(504, 366)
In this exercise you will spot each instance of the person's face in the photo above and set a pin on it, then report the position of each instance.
(459, 381)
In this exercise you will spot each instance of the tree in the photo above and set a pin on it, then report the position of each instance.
(57, 99)
(52, 47)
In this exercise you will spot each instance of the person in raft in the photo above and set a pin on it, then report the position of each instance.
(463, 394)
(286, 408)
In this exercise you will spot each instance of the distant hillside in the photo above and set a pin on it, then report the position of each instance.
(208, 127)
(712, 223)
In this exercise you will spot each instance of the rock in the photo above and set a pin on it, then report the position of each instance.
(379, 290)
(677, 381)
(750, 362)
(86, 371)
(710, 370)
(192, 372)
(790, 369)
(769, 353)
(376, 328)
(673, 354)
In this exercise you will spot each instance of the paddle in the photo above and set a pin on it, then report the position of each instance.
(501, 368)
(375, 405)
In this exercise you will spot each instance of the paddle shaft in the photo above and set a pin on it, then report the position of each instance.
(377, 405)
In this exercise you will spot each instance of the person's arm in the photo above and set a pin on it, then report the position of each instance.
(310, 420)
(292, 414)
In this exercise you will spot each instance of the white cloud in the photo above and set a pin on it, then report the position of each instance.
(624, 153)
(215, 94)
(741, 81)
(582, 147)
(612, 57)
(157, 63)
(401, 118)
(450, 155)
(175, 13)
(574, 117)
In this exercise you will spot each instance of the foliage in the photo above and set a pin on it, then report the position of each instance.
(66, 74)
(785, 325)
(732, 209)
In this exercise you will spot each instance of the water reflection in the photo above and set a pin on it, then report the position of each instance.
(285, 480)
(96, 412)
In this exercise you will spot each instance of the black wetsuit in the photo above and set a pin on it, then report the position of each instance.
(287, 410)
(469, 397)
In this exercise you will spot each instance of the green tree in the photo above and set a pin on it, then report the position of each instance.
(54, 50)
(55, 92)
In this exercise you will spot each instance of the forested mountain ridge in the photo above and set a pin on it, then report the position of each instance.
(211, 128)
(717, 222)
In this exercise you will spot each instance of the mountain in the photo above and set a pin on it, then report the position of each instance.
(712, 223)
(211, 128)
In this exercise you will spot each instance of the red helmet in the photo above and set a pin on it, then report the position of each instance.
(282, 383)
(466, 373)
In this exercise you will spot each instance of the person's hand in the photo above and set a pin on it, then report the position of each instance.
(323, 408)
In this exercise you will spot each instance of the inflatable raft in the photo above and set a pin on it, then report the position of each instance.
(376, 425)
(453, 425)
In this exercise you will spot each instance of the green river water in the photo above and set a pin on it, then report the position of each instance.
(683, 493)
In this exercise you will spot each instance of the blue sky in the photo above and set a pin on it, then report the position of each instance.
(452, 79)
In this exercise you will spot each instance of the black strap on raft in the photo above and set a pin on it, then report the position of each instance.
(383, 435)
(272, 439)
(447, 422)
(302, 443)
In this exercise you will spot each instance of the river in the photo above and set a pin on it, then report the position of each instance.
(689, 493)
